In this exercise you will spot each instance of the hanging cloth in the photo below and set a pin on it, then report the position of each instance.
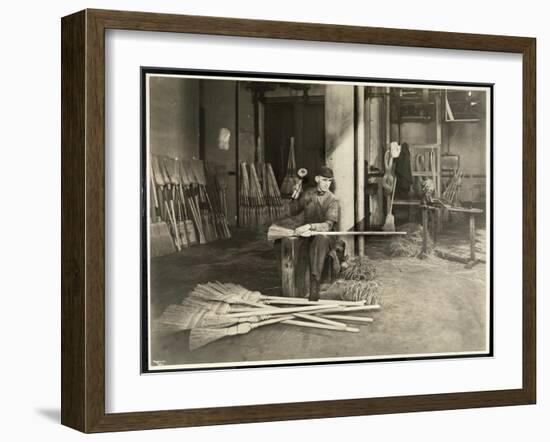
(403, 172)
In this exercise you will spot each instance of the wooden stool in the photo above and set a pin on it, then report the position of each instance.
(472, 212)
(294, 265)
(435, 222)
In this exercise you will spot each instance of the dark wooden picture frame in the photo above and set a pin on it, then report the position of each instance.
(83, 220)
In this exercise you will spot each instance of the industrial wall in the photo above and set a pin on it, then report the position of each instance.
(174, 122)
(339, 126)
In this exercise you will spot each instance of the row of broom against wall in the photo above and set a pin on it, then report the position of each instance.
(190, 197)
(260, 200)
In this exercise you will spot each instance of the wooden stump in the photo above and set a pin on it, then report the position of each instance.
(289, 253)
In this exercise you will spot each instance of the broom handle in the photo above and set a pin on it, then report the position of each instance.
(319, 319)
(393, 193)
(306, 301)
(276, 311)
(346, 309)
(365, 233)
(348, 318)
(322, 326)
(270, 321)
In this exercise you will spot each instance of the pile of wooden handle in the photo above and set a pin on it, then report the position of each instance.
(451, 192)
(183, 198)
(260, 201)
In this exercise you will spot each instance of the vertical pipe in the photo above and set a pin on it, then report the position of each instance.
(424, 231)
(472, 238)
(376, 153)
(237, 168)
(368, 136)
(438, 142)
(360, 165)
(387, 128)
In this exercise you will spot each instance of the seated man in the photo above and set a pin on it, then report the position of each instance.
(318, 211)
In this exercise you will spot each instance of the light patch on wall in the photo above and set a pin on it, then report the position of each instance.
(223, 138)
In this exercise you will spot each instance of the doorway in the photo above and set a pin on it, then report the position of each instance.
(305, 121)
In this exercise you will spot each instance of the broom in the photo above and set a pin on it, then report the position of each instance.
(237, 294)
(389, 224)
(215, 193)
(165, 187)
(172, 171)
(160, 241)
(170, 189)
(276, 232)
(179, 317)
(322, 326)
(350, 318)
(187, 182)
(197, 171)
(159, 181)
(280, 311)
(190, 232)
(289, 181)
(244, 206)
(258, 297)
(210, 294)
(258, 197)
(199, 337)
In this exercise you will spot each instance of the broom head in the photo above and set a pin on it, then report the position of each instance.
(277, 232)
(389, 225)
(199, 337)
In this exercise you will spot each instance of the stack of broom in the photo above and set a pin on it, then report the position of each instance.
(291, 178)
(450, 193)
(260, 201)
(183, 213)
(215, 310)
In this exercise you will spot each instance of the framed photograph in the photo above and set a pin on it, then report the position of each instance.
(268, 221)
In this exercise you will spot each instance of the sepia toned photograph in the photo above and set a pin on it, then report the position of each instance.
(292, 220)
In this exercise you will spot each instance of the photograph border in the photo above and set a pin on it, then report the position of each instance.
(302, 78)
(83, 220)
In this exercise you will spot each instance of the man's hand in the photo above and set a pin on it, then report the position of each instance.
(304, 230)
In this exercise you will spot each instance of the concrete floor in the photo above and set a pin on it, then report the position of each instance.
(428, 306)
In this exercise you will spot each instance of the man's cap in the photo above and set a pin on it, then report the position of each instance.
(326, 172)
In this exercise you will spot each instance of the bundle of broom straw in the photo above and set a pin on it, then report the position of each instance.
(216, 195)
(291, 179)
(164, 189)
(215, 310)
(245, 207)
(260, 200)
(451, 191)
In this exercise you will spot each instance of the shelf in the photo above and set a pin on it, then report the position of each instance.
(424, 146)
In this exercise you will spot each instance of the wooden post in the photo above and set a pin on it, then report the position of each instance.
(289, 251)
(424, 231)
(472, 238)
(438, 142)
(360, 166)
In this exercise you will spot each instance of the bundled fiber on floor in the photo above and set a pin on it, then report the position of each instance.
(359, 268)
(361, 290)
(409, 245)
(356, 282)
(367, 292)
(214, 310)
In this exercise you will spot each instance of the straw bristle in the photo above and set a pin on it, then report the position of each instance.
(359, 268)
(409, 245)
(368, 291)
(277, 232)
(181, 317)
(199, 337)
